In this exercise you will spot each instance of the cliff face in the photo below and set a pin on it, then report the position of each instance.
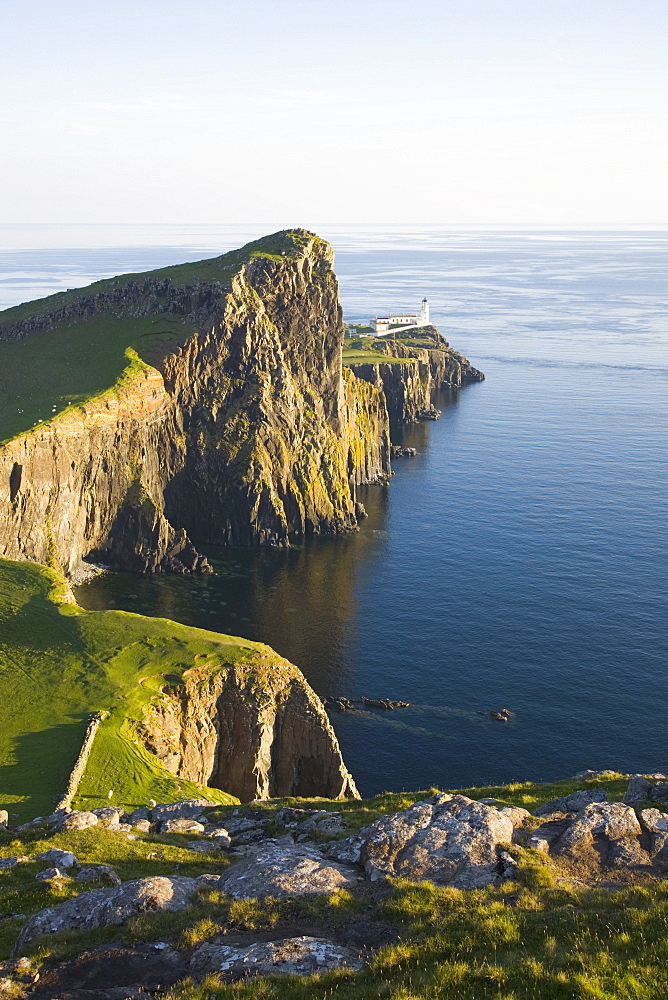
(244, 430)
(408, 384)
(254, 734)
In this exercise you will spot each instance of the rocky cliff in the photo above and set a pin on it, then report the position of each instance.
(256, 734)
(422, 361)
(237, 427)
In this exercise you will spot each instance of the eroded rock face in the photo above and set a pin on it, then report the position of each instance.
(254, 736)
(408, 384)
(450, 840)
(282, 869)
(299, 956)
(110, 907)
(247, 432)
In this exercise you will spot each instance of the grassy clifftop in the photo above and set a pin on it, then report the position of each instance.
(52, 370)
(59, 663)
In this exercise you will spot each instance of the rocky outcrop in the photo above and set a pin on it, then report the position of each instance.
(110, 907)
(408, 384)
(284, 869)
(244, 429)
(298, 956)
(450, 840)
(254, 732)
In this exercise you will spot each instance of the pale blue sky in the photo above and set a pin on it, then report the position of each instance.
(459, 111)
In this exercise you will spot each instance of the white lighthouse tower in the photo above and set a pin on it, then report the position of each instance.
(424, 314)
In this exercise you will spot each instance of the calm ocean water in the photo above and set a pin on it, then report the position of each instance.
(519, 561)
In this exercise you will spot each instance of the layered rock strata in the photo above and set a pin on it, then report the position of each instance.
(408, 384)
(256, 734)
(243, 431)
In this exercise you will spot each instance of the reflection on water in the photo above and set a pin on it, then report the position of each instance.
(301, 600)
(516, 562)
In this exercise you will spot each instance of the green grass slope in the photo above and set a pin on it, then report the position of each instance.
(59, 663)
(543, 936)
(50, 371)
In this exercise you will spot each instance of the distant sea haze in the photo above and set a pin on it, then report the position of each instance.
(518, 562)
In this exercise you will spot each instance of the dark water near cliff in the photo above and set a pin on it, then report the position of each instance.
(519, 561)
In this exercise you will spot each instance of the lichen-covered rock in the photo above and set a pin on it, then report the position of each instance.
(572, 802)
(299, 956)
(110, 907)
(109, 816)
(607, 821)
(61, 859)
(77, 820)
(284, 869)
(516, 815)
(450, 840)
(184, 809)
(181, 826)
(639, 789)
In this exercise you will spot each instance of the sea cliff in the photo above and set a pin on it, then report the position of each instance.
(231, 423)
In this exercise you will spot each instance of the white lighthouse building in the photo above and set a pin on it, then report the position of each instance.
(401, 321)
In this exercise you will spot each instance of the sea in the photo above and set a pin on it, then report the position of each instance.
(518, 562)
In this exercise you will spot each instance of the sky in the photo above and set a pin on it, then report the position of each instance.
(462, 112)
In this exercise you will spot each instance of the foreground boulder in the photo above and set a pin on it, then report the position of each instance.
(572, 802)
(281, 868)
(605, 834)
(450, 840)
(298, 956)
(110, 907)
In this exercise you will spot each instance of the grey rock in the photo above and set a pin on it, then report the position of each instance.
(109, 816)
(299, 956)
(653, 821)
(573, 802)
(331, 825)
(61, 859)
(660, 792)
(95, 873)
(284, 869)
(288, 816)
(516, 815)
(13, 862)
(243, 824)
(77, 821)
(143, 825)
(450, 840)
(137, 815)
(209, 846)
(110, 907)
(600, 822)
(347, 850)
(181, 826)
(592, 775)
(627, 853)
(218, 831)
(185, 809)
(639, 789)
(48, 874)
(248, 836)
